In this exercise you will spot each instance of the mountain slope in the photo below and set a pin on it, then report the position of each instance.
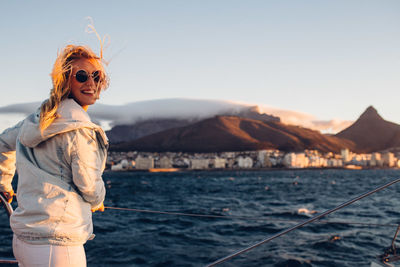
(231, 133)
(126, 133)
(372, 133)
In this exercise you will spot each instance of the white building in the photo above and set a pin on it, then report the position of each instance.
(143, 163)
(346, 155)
(389, 159)
(264, 159)
(317, 162)
(376, 160)
(361, 159)
(199, 164)
(165, 162)
(219, 163)
(245, 162)
(293, 160)
(124, 165)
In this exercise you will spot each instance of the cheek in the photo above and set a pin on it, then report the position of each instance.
(75, 86)
(73, 91)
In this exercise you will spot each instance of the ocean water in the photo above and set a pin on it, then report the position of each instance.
(270, 201)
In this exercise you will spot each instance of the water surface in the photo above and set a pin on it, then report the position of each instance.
(126, 238)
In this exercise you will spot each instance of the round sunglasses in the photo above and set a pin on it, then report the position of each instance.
(82, 76)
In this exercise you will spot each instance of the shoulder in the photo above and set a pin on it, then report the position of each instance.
(87, 139)
(85, 135)
(71, 111)
(76, 139)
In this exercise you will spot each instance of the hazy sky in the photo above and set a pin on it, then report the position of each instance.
(330, 59)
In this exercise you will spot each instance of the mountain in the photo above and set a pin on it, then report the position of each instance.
(126, 132)
(232, 133)
(371, 133)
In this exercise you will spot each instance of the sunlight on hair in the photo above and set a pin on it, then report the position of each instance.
(104, 43)
(62, 70)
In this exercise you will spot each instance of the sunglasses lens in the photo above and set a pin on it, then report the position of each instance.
(96, 76)
(81, 76)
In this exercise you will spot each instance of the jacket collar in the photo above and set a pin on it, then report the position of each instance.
(70, 116)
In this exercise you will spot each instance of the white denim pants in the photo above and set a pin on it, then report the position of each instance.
(29, 255)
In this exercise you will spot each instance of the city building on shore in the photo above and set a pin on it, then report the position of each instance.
(376, 160)
(219, 163)
(296, 160)
(245, 162)
(144, 163)
(124, 165)
(125, 161)
(199, 164)
(389, 160)
(165, 162)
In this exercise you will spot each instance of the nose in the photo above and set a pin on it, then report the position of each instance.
(90, 81)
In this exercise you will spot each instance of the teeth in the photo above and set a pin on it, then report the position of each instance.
(88, 91)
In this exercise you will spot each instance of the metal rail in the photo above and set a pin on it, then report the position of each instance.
(347, 203)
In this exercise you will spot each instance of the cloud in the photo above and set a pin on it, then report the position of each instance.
(164, 108)
(22, 108)
(307, 120)
(331, 126)
(110, 115)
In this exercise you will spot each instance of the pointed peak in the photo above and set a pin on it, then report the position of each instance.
(371, 109)
(370, 113)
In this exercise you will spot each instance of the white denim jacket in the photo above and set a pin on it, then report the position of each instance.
(59, 176)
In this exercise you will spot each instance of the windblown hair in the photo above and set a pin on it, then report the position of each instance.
(61, 80)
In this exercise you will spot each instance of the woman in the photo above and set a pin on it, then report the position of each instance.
(59, 156)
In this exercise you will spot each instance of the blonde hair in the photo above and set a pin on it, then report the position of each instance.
(60, 76)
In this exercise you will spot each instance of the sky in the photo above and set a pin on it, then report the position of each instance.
(329, 60)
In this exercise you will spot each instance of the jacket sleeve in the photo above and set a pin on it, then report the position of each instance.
(87, 163)
(8, 140)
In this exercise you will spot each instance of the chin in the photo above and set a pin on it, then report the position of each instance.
(90, 103)
(86, 102)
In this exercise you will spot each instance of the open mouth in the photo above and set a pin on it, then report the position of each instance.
(88, 92)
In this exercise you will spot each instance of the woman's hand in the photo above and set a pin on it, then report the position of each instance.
(9, 196)
(99, 208)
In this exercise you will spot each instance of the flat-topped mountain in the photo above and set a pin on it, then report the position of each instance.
(130, 132)
(126, 133)
(371, 133)
(232, 133)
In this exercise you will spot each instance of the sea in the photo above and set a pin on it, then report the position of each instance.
(236, 210)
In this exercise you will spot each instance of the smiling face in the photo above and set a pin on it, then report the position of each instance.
(85, 93)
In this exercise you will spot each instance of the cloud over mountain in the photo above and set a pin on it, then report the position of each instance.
(183, 109)
(232, 133)
(306, 120)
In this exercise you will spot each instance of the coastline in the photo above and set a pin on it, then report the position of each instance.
(162, 170)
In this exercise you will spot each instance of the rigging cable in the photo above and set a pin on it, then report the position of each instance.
(347, 203)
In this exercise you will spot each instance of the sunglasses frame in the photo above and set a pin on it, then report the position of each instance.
(89, 75)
